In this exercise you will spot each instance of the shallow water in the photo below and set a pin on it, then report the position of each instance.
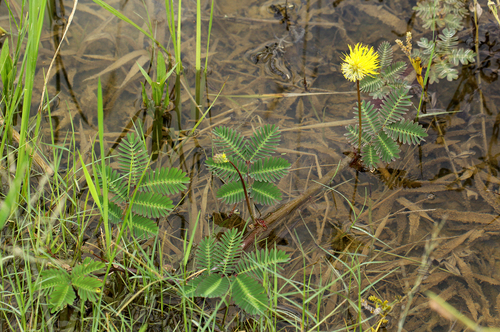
(296, 83)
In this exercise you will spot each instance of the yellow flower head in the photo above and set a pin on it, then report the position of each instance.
(220, 158)
(360, 61)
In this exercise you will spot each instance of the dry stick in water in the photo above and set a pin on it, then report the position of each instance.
(291, 206)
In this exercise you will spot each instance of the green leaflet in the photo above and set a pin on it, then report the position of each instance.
(385, 127)
(151, 200)
(231, 193)
(225, 257)
(265, 193)
(252, 158)
(59, 284)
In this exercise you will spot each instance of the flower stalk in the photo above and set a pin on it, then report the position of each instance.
(359, 114)
(360, 62)
(221, 158)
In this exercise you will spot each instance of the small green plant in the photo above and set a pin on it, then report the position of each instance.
(228, 271)
(152, 186)
(361, 62)
(60, 285)
(248, 159)
(389, 77)
(441, 13)
(384, 128)
(158, 86)
(446, 55)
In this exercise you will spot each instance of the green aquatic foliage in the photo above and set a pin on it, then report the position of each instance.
(446, 56)
(231, 272)
(150, 201)
(384, 128)
(389, 77)
(253, 159)
(159, 86)
(60, 284)
(437, 14)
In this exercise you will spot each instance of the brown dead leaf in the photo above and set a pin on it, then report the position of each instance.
(414, 207)
(384, 15)
(120, 62)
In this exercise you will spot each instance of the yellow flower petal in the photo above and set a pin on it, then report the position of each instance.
(360, 62)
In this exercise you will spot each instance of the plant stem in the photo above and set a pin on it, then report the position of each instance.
(244, 190)
(359, 113)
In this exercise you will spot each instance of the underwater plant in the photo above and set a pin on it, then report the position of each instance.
(250, 161)
(150, 200)
(228, 271)
(445, 55)
(438, 14)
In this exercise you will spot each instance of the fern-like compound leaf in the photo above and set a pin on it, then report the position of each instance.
(213, 285)
(88, 266)
(205, 254)
(369, 156)
(447, 40)
(406, 132)
(371, 122)
(231, 193)
(386, 147)
(116, 184)
(394, 106)
(189, 289)
(226, 171)
(152, 205)
(444, 69)
(51, 278)
(249, 295)
(115, 213)
(256, 262)
(270, 169)
(393, 72)
(132, 158)
(371, 84)
(461, 55)
(353, 136)
(385, 54)
(228, 251)
(88, 287)
(62, 295)
(166, 181)
(142, 227)
(263, 143)
(230, 142)
(265, 193)
(427, 45)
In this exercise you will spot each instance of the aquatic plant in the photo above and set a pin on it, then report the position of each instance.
(158, 85)
(388, 78)
(60, 284)
(143, 190)
(360, 62)
(228, 271)
(248, 159)
(385, 128)
(441, 13)
(445, 55)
